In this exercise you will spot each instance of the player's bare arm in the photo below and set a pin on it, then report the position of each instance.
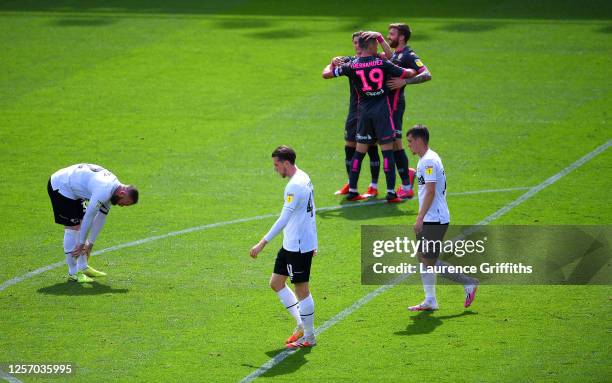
(420, 78)
(381, 40)
(258, 248)
(398, 82)
(429, 197)
(338, 60)
(328, 72)
(87, 248)
(78, 250)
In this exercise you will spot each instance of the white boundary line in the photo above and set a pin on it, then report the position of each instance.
(40, 270)
(349, 310)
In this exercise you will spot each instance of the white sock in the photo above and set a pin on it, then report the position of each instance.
(288, 299)
(429, 285)
(406, 187)
(82, 262)
(373, 185)
(307, 314)
(70, 241)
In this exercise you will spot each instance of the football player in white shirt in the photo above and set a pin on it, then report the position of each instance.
(298, 223)
(68, 189)
(433, 219)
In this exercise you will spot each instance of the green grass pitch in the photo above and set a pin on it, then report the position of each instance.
(187, 100)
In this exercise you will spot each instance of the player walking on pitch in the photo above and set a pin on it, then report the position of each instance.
(68, 189)
(298, 223)
(433, 219)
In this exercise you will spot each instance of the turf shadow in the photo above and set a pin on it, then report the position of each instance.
(369, 212)
(279, 34)
(244, 24)
(84, 22)
(357, 9)
(470, 27)
(606, 29)
(72, 288)
(290, 365)
(425, 322)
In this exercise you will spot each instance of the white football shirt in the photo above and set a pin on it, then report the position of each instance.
(87, 182)
(300, 233)
(430, 169)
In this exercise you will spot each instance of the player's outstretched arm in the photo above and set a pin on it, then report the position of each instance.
(423, 76)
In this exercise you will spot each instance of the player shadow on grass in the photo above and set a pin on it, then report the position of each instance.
(290, 365)
(426, 322)
(72, 288)
(353, 211)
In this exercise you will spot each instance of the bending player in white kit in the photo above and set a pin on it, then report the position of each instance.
(68, 189)
(433, 219)
(297, 220)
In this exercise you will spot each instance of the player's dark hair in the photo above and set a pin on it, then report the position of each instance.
(419, 130)
(284, 153)
(402, 29)
(364, 42)
(132, 192)
(356, 34)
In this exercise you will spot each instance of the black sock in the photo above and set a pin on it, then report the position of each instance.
(389, 169)
(401, 161)
(348, 156)
(355, 169)
(374, 163)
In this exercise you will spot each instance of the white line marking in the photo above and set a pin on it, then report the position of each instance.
(546, 183)
(9, 378)
(490, 191)
(349, 310)
(52, 266)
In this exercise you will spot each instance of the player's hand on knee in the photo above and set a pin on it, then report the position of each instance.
(87, 248)
(78, 250)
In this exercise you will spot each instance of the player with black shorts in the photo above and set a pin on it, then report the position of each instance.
(68, 190)
(405, 57)
(368, 74)
(350, 127)
(293, 261)
(432, 221)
